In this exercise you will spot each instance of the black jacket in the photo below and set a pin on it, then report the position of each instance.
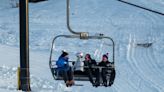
(105, 64)
(90, 63)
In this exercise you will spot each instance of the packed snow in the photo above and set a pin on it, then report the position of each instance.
(138, 68)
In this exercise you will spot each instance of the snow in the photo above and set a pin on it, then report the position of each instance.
(138, 69)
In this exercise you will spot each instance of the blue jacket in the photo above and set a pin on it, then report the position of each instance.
(62, 64)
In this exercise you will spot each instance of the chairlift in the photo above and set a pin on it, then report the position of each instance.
(82, 76)
(79, 76)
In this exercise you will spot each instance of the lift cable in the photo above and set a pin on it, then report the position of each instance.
(141, 7)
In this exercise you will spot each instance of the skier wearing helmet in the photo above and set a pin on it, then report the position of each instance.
(103, 74)
(89, 63)
(64, 69)
(79, 65)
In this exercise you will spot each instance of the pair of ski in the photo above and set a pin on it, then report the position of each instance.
(74, 85)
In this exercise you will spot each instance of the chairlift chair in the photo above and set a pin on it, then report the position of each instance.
(79, 76)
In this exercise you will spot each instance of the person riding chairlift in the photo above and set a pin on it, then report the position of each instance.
(103, 74)
(89, 63)
(79, 65)
(64, 69)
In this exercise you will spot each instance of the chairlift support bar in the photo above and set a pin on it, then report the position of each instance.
(150, 10)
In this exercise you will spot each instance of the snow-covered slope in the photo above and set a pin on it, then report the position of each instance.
(138, 69)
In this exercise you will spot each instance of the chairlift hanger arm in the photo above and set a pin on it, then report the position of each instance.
(141, 7)
(68, 19)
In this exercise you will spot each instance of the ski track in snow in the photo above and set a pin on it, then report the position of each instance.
(141, 60)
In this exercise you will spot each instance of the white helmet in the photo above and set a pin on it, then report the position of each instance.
(79, 54)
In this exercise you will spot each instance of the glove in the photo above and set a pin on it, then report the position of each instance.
(108, 65)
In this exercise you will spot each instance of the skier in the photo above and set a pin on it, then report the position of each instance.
(103, 74)
(64, 69)
(89, 63)
(79, 65)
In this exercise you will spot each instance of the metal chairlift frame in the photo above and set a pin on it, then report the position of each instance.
(81, 36)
